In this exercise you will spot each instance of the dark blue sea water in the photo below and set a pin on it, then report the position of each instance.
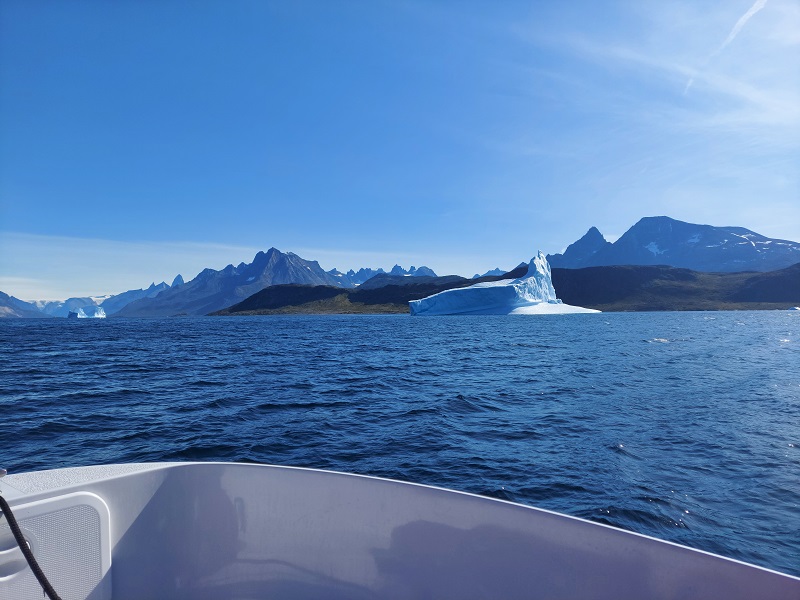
(683, 426)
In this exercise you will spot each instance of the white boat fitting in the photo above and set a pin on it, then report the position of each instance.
(244, 531)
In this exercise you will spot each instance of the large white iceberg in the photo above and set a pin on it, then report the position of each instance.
(531, 294)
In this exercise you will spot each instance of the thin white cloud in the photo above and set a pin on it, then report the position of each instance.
(757, 6)
(759, 92)
(710, 156)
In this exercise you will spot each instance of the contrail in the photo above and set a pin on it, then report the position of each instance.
(757, 6)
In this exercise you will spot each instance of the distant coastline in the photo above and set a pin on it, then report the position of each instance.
(659, 264)
(610, 289)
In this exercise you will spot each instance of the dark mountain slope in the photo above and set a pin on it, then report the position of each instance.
(775, 286)
(14, 308)
(580, 253)
(385, 279)
(391, 296)
(625, 288)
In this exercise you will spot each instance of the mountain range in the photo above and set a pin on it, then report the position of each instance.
(666, 241)
(11, 307)
(214, 290)
(109, 304)
(653, 241)
(209, 291)
(355, 278)
(613, 288)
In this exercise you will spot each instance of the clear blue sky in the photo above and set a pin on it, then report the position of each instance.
(140, 139)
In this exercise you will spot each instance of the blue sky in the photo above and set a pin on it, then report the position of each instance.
(141, 139)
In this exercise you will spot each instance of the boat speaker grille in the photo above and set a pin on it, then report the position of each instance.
(69, 535)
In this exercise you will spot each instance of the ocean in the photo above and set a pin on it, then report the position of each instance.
(682, 426)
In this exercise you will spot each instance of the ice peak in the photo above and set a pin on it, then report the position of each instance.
(531, 294)
(537, 285)
(538, 266)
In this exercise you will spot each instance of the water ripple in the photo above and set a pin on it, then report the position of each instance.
(678, 425)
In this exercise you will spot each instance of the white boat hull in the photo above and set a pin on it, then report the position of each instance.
(241, 531)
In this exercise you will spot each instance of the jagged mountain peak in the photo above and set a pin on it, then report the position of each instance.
(213, 290)
(593, 235)
(580, 253)
(662, 240)
(423, 271)
(356, 278)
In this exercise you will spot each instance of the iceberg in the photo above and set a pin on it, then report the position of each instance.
(528, 295)
(88, 312)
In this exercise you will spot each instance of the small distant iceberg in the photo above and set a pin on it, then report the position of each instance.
(532, 294)
(88, 312)
(795, 308)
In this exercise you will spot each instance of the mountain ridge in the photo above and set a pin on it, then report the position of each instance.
(213, 290)
(665, 241)
(11, 307)
(615, 288)
(652, 241)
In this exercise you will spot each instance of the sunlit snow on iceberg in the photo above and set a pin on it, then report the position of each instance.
(88, 312)
(532, 294)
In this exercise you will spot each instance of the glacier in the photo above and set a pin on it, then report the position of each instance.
(528, 295)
